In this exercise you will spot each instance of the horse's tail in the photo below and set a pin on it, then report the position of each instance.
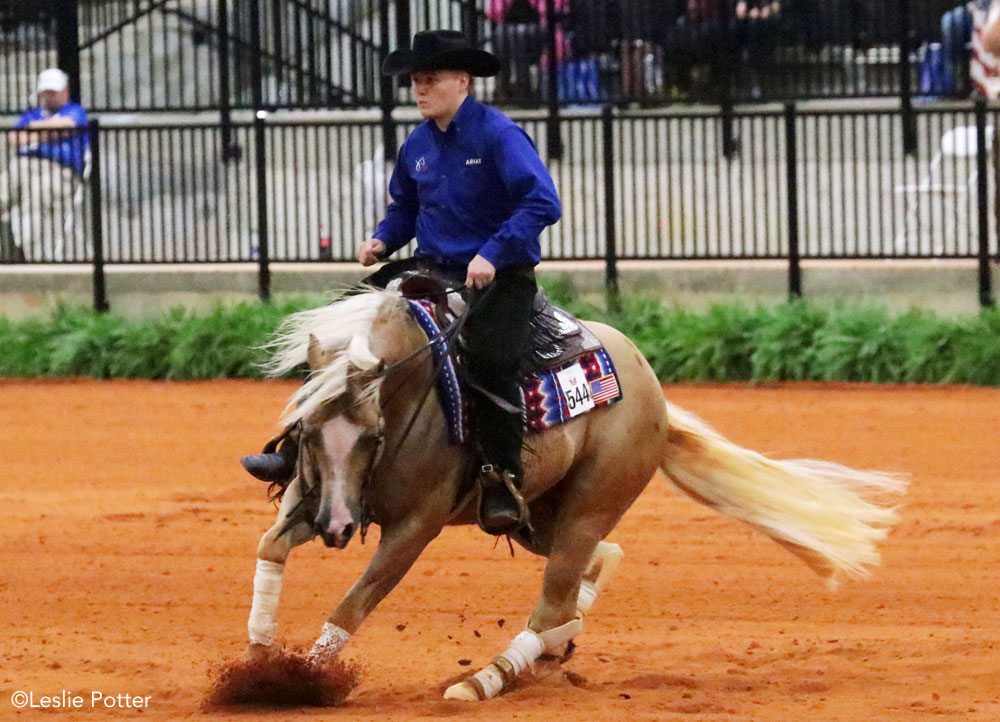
(827, 514)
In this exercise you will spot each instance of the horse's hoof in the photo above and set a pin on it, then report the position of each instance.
(558, 659)
(462, 691)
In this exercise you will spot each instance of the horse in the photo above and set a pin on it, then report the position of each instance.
(374, 448)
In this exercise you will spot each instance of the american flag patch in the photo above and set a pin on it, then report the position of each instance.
(604, 388)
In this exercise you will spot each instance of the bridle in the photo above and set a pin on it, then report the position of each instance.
(445, 338)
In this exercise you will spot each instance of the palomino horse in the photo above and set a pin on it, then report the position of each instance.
(374, 448)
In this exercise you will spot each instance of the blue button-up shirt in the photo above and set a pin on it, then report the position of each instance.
(68, 151)
(477, 188)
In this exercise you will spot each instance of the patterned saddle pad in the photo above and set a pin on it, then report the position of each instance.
(568, 371)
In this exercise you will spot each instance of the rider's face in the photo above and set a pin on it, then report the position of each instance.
(439, 93)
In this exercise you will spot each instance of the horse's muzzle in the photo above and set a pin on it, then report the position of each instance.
(338, 540)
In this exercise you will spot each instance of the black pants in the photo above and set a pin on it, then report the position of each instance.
(495, 338)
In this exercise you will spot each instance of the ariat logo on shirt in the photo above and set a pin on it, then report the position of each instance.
(421, 164)
(474, 161)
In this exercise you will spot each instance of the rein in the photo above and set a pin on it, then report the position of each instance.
(447, 337)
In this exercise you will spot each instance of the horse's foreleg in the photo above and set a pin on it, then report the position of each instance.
(398, 549)
(272, 551)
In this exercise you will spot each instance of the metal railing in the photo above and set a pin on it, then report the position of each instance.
(193, 55)
(805, 184)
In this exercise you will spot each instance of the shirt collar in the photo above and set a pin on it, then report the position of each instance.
(460, 120)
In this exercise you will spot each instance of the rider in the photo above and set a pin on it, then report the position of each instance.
(469, 184)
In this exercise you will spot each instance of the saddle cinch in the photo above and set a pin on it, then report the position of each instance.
(565, 373)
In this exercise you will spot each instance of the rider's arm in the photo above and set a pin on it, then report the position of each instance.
(55, 121)
(41, 130)
(400, 222)
(536, 202)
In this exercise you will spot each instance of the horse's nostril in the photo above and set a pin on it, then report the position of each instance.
(348, 531)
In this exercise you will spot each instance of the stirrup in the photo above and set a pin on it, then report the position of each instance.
(491, 479)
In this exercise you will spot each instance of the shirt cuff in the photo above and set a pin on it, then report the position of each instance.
(390, 247)
(492, 251)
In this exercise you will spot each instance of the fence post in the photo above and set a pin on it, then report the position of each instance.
(229, 150)
(905, 80)
(386, 87)
(256, 51)
(792, 186)
(730, 143)
(982, 198)
(68, 44)
(727, 71)
(96, 217)
(553, 128)
(263, 241)
(610, 231)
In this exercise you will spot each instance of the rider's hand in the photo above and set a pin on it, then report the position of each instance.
(370, 251)
(480, 273)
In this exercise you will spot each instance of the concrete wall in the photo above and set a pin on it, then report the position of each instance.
(947, 287)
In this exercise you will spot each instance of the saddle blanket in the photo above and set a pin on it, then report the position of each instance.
(551, 397)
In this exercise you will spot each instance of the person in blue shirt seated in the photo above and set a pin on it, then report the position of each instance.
(470, 186)
(37, 187)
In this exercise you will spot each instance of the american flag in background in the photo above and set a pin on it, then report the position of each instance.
(604, 388)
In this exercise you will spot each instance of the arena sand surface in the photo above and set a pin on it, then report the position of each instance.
(129, 532)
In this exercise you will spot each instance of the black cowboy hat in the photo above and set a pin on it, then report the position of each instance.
(441, 50)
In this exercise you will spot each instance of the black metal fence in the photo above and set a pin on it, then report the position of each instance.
(634, 185)
(190, 55)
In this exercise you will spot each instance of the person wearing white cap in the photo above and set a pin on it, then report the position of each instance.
(36, 189)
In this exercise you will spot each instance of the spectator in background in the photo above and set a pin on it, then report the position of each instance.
(641, 26)
(984, 69)
(756, 31)
(984, 66)
(37, 187)
(699, 49)
(956, 31)
(522, 39)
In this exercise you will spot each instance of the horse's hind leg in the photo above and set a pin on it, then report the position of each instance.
(579, 567)
(600, 569)
(272, 551)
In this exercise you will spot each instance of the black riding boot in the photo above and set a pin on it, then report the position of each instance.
(495, 338)
(277, 467)
(502, 509)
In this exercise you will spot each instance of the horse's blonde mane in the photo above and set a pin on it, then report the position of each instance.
(342, 329)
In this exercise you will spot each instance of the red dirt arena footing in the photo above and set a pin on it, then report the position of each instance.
(128, 549)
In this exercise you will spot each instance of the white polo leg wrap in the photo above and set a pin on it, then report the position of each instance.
(588, 595)
(555, 639)
(606, 558)
(495, 677)
(263, 623)
(331, 640)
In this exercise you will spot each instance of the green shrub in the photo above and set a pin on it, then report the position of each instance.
(794, 341)
(783, 343)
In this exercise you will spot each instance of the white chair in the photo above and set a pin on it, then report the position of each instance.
(959, 142)
(372, 175)
(75, 208)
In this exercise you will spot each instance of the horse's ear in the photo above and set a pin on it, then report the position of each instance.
(315, 355)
